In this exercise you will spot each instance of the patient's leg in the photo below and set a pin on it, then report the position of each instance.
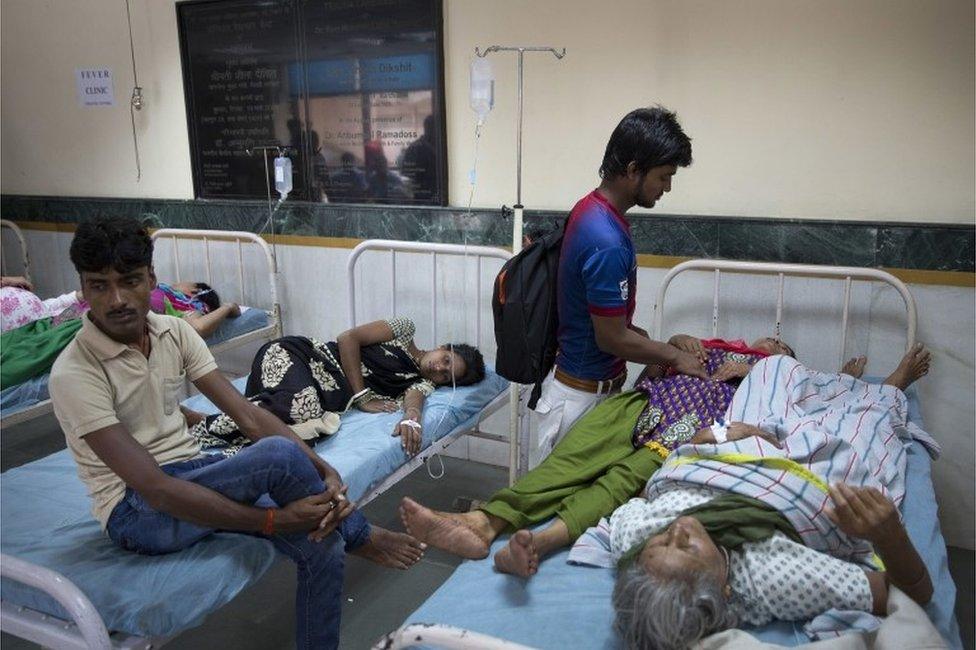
(524, 550)
(389, 549)
(855, 366)
(468, 534)
(914, 364)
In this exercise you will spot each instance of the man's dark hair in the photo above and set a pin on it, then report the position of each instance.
(208, 296)
(111, 242)
(649, 137)
(474, 363)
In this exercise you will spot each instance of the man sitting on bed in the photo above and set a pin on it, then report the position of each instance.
(115, 390)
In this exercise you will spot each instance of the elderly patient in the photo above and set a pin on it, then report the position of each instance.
(376, 367)
(605, 459)
(779, 525)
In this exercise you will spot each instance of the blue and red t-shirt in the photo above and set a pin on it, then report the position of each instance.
(597, 275)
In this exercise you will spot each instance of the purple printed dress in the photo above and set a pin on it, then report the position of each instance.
(680, 405)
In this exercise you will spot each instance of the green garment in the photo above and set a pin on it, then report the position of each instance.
(30, 350)
(591, 472)
(732, 520)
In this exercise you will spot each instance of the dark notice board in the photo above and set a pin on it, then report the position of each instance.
(354, 89)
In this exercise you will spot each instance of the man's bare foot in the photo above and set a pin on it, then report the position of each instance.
(914, 364)
(520, 556)
(389, 549)
(855, 366)
(454, 533)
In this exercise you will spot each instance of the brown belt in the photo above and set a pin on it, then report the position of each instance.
(590, 385)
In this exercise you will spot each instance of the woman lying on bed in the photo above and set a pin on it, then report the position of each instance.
(779, 525)
(604, 460)
(195, 302)
(375, 367)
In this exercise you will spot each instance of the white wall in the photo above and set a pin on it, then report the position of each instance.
(811, 317)
(807, 108)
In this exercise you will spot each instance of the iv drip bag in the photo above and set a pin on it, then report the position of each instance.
(482, 88)
(282, 172)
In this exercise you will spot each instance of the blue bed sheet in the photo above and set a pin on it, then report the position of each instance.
(564, 604)
(45, 518)
(34, 391)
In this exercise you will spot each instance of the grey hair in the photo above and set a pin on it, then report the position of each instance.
(657, 613)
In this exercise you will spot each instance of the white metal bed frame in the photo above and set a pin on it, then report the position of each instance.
(454, 638)
(24, 256)
(87, 629)
(518, 431)
(273, 329)
(270, 331)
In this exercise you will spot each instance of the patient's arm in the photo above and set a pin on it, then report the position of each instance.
(349, 343)
(187, 501)
(866, 513)
(207, 324)
(411, 437)
(735, 431)
(256, 422)
(731, 370)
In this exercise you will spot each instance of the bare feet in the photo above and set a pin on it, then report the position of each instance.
(520, 556)
(855, 366)
(914, 365)
(389, 549)
(454, 533)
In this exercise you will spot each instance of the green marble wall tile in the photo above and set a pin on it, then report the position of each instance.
(914, 246)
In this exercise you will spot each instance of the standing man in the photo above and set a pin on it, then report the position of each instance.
(115, 390)
(597, 282)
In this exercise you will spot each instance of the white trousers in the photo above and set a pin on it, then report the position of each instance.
(558, 409)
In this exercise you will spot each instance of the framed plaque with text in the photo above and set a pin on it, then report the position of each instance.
(354, 89)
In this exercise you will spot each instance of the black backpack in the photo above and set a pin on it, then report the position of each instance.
(524, 306)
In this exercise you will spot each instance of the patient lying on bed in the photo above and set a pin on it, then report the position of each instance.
(780, 525)
(605, 459)
(375, 367)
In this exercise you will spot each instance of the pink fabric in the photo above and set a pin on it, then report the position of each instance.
(736, 345)
(18, 307)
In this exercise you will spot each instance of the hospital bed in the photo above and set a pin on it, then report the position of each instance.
(65, 585)
(567, 606)
(248, 275)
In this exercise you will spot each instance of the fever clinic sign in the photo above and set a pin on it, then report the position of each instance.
(94, 87)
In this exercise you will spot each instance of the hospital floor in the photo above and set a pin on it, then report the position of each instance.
(376, 600)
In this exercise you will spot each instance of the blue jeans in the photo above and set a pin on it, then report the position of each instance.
(277, 467)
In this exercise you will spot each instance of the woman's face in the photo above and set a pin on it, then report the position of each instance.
(441, 366)
(770, 345)
(683, 547)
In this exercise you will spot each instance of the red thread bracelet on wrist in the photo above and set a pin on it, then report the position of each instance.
(269, 515)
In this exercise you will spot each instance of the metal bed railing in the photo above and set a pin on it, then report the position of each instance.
(848, 273)
(245, 294)
(22, 242)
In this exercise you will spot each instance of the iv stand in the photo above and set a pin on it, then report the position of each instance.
(279, 150)
(514, 456)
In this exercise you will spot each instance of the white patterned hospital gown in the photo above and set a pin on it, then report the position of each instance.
(773, 579)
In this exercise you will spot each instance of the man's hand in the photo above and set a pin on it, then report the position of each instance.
(731, 370)
(341, 507)
(691, 345)
(378, 406)
(865, 513)
(741, 431)
(410, 436)
(685, 363)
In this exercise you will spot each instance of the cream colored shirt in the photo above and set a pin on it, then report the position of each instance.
(97, 382)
